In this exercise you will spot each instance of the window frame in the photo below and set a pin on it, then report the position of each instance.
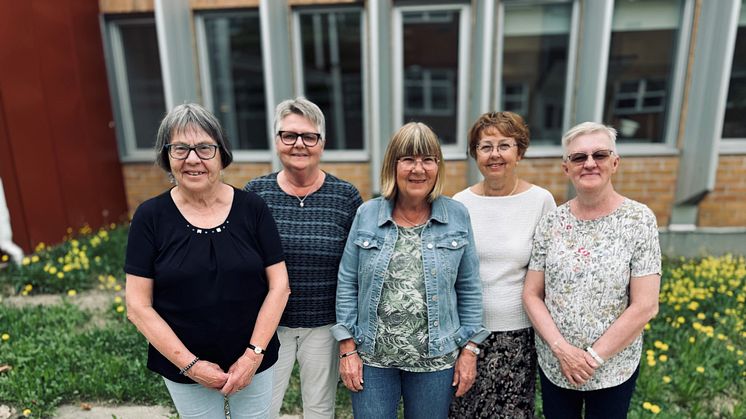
(331, 155)
(450, 151)
(732, 145)
(239, 155)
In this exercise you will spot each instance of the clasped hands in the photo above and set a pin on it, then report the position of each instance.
(577, 365)
(239, 374)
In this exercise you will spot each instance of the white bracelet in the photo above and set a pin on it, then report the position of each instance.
(595, 356)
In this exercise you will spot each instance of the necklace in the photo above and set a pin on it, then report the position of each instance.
(420, 220)
(301, 202)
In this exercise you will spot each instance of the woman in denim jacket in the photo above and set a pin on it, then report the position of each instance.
(409, 298)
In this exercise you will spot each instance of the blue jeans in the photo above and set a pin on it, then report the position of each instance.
(427, 395)
(198, 401)
(607, 403)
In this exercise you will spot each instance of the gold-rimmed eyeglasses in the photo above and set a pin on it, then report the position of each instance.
(410, 162)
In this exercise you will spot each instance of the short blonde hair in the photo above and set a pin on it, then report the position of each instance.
(584, 128)
(413, 139)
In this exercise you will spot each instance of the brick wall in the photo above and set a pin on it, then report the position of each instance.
(726, 204)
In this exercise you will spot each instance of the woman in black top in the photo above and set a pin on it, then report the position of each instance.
(206, 277)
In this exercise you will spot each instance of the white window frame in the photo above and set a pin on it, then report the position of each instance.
(542, 150)
(239, 155)
(329, 154)
(450, 151)
(733, 145)
(129, 150)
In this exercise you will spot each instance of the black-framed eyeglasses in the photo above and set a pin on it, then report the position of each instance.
(181, 151)
(581, 158)
(487, 149)
(309, 139)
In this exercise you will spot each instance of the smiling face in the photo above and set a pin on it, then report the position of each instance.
(193, 173)
(298, 156)
(496, 165)
(591, 175)
(414, 183)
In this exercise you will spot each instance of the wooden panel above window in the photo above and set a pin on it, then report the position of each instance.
(126, 6)
(223, 4)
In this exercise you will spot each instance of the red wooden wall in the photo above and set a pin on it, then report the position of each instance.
(58, 152)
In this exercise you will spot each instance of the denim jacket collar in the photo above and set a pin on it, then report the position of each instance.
(438, 212)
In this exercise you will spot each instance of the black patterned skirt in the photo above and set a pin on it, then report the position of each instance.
(506, 379)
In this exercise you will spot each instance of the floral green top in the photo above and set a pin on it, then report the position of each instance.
(588, 266)
(402, 335)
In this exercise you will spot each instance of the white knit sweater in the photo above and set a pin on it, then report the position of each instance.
(503, 231)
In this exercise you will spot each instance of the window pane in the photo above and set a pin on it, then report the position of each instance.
(234, 57)
(144, 82)
(332, 73)
(735, 108)
(536, 39)
(431, 74)
(643, 45)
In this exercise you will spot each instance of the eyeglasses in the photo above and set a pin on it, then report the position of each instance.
(487, 149)
(309, 139)
(581, 158)
(181, 151)
(410, 162)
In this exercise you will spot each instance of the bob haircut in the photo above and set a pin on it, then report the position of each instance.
(585, 128)
(508, 124)
(302, 107)
(413, 139)
(185, 118)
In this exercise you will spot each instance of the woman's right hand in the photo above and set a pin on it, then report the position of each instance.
(351, 366)
(208, 374)
(573, 364)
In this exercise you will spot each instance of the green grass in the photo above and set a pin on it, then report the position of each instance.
(692, 363)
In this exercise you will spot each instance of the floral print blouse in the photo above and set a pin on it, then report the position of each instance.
(402, 336)
(588, 266)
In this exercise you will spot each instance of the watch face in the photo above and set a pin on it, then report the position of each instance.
(257, 350)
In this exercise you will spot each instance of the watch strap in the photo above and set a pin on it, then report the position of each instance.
(257, 349)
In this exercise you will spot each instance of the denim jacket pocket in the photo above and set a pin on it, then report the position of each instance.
(450, 249)
(369, 247)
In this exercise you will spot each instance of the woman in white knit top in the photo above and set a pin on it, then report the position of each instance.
(504, 212)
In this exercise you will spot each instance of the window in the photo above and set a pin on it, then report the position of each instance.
(141, 102)
(431, 63)
(734, 125)
(330, 56)
(536, 47)
(233, 76)
(641, 57)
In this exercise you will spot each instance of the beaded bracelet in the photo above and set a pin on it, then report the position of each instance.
(595, 356)
(184, 370)
(346, 354)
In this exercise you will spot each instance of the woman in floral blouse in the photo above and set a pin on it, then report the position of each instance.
(592, 284)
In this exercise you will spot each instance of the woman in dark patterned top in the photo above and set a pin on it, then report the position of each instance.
(313, 211)
(206, 281)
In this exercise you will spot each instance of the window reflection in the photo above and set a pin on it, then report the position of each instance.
(331, 52)
(643, 45)
(236, 75)
(734, 125)
(431, 40)
(534, 73)
(147, 102)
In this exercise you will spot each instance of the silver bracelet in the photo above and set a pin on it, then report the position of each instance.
(595, 356)
(184, 370)
(346, 354)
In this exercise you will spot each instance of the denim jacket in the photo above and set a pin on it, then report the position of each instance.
(452, 286)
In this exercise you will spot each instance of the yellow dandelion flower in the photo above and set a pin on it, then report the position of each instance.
(97, 259)
(681, 319)
(658, 344)
(739, 352)
(25, 261)
(52, 270)
(647, 405)
(117, 287)
(4, 258)
(700, 369)
(666, 379)
(647, 326)
(60, 275)
(722, 336)
(34, 258)
(651, 362)
(5, 337)
(28, 287)
(650, 352)
(693, 306)
(72, 293)
(655, 409)
(740, 362)
(120, 309)
(701, 316)
(663, 358)
(26, 412)
(117, 299)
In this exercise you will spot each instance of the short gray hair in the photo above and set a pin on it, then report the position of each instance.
(186, 117)
(303, 107)
(584, 128)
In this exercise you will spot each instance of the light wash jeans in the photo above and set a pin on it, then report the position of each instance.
(198, 401)
(317, 353)
(427, 395)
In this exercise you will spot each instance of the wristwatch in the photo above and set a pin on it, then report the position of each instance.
(257, 349)
(472, 348)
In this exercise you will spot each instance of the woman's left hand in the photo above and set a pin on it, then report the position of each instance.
(242, 372)
(465, 372)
